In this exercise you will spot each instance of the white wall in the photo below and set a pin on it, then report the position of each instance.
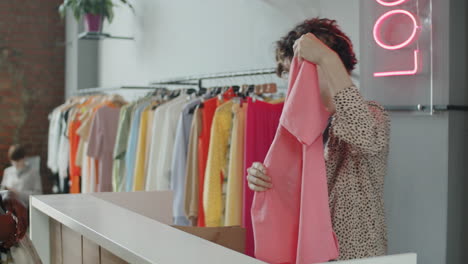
(416, 186)
(426, 206)
(186, 37)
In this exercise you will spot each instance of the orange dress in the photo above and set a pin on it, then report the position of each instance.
(75, 170)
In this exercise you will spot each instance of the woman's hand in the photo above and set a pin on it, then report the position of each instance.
(333, 76)
(258, 179)
(310, 48)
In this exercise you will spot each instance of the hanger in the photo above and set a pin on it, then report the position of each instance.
(271, 88)
(117, 99)
(201, 91)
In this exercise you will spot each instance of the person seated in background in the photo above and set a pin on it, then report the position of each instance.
(13, 220)
(23, 177)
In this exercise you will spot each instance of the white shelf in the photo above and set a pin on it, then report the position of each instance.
(100, 36)
(129, 235)
(140, 235)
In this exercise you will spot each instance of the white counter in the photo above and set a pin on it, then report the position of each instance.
(138, 235)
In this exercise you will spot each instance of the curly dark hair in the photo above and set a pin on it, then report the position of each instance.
(327, 31)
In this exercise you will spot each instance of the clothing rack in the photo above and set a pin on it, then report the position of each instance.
(190, 80)
(108, 89)
(197, 80)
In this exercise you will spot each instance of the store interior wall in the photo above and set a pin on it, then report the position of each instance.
(425, 204)
(457, 238)
(178, 38)
(32, 56)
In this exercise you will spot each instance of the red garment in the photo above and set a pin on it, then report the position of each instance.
(207, 113)
(292, 222)
(261, 123)
(75, 171)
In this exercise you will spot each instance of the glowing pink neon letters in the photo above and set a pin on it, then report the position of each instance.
(394, 3)
(378, 39)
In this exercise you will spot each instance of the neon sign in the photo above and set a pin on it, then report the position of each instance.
(377, 32)
(399, 73)
(394, 3)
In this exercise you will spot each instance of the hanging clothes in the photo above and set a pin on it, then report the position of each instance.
(160, 140)
(88, 167)
(75, 170)
(163, 171)
(207, 113)
(139, 172)
(215, 174)
(156, 145)
(64, 147)
(89, 177)
(292, 222)
(262, 120)
(236, 164)
(120, 148)
(53, 139)
(53, 145)
(192, 170)
(101, 143)
(179, 162)
(149, 140)
(77, 177)
(130, 155)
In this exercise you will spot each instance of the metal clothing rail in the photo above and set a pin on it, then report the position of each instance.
(189, 80)
(108, 89)
(197, 80)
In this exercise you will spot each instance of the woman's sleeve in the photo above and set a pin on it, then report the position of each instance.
(363, 125)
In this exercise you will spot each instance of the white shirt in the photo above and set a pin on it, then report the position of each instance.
(64, 147)
(156, 154)
(53, 141)
(26, 181)
(169, 125)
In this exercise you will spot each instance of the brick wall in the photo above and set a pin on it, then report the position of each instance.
(32, 62)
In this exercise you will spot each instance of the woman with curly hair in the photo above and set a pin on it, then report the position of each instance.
(356, 139)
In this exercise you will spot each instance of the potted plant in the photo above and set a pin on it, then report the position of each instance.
(93, 11)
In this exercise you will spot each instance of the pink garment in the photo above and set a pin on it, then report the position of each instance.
(261, 123)
(101, 143)
(292, 222)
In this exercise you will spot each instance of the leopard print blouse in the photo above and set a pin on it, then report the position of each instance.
(356, 158)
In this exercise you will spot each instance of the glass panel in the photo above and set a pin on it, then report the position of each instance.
(396, 52)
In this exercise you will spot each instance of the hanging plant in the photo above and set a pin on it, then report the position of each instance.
(94, 11)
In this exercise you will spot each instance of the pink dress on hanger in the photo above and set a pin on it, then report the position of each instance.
(262, 121)
(292, 222)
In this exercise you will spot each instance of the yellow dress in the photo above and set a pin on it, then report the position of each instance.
(139, 172)
(149, 138)
(236, 163)
(215, 173)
